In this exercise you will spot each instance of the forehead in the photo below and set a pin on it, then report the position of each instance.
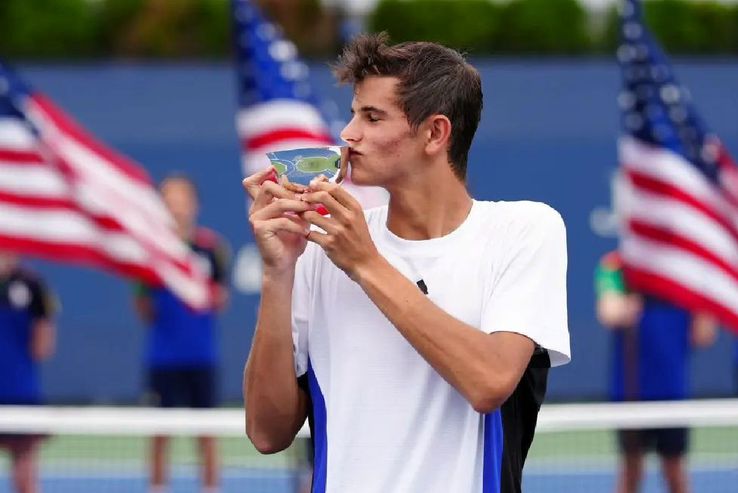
(178, 186)
(376, 92)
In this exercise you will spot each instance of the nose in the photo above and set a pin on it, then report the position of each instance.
(350, 133)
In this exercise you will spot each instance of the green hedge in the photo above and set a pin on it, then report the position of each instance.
(557, 27)
(202, 28)
(481, 26)
(470, 25)
(685, 27)
(48, 29)
(543, 27)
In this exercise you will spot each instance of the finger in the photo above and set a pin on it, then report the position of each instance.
(283, 225)
(340, 194)
(294, 187)
(343, 169)
(317, 237)
(326, 224)
(252, 183)
(324, 198)
(279, 207)
(268, 191)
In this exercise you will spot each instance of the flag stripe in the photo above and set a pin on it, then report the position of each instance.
(673, 212)
(671, 238)
(78, 253)
(279, 113)
(267, 140)
(61, 226)
(19, 157)
(30, 201)
(647, 184)
(662, 166)
(682, 267)
(38, 181)
(650, 282)
(15, 135)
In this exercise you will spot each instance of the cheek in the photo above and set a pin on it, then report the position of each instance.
(393, 144)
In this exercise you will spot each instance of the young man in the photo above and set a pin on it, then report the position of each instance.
(651, 348)
(182, 350)
(27, 337)
(420, 333)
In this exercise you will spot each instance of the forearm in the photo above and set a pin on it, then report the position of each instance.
(275, 406)
(43, 341)
(467, 358)
(144, 308)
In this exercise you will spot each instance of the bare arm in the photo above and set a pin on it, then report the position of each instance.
(43, 339)
(484, 368)
(703, 331)
(619, 310)
(275, 406)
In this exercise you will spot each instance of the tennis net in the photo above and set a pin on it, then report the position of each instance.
(99, 449)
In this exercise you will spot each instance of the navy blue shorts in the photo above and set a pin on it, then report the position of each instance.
(668, 442)
(183, 387)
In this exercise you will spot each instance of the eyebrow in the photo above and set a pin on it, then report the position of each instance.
(369, 109)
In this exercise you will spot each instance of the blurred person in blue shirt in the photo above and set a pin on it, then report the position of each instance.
(27, 337)
(652, 341)
(182, 354)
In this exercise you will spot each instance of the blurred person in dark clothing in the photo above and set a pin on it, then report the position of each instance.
(182, 353)
(652, 341)
(27, 337)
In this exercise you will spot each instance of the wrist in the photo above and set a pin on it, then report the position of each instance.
(278, 278)
(369, 270)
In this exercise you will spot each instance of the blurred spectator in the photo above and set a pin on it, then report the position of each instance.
(651, 346)
(182, 352)
(27, 337)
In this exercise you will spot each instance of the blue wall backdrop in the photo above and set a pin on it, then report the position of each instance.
(548, 133)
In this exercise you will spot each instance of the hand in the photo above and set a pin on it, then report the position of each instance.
(278, 229)
(704, 330)
(343, 169)
(346, 240)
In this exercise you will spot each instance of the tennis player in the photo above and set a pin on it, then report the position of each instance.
(417, 336)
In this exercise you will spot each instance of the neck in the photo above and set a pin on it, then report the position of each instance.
(428, 206)
(185, 231)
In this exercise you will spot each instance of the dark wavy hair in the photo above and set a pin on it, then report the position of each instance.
(433, 80)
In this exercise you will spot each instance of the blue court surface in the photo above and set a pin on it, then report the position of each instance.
(268, 481)
(257, 481)
(709, 481)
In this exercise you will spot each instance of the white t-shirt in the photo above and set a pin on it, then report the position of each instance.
(384, 419)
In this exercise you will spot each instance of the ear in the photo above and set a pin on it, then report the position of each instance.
(438, 132)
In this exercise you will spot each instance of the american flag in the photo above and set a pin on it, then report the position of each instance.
(277, 106)
(679, 237)
(65, 196)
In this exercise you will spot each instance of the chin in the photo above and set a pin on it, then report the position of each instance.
(359, 179)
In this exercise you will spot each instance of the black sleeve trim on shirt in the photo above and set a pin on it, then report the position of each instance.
(519, 418)
(540, 358)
